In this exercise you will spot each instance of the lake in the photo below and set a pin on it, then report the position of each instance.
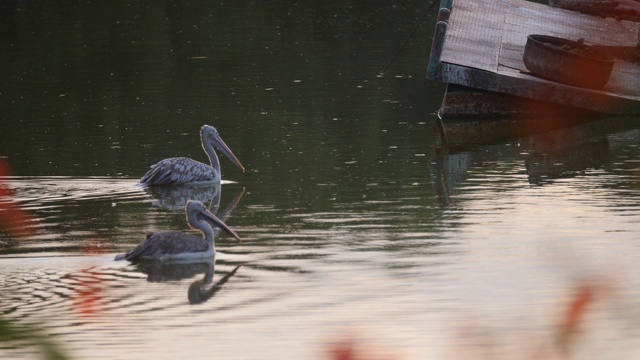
(369, 227)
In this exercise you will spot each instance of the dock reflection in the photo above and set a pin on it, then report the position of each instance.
(547, 164)
(547, 154)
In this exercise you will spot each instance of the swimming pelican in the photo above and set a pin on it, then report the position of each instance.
(175, 245)
(182, 170)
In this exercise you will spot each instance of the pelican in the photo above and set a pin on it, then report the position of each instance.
(182, 170)
(175, 245)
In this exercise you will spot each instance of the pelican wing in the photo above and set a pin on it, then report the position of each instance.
(178, 170)
(158, 245)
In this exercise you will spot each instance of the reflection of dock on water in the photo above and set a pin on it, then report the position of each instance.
(546, 156)
(479, 44)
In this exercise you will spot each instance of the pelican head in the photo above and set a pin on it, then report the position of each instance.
(197, 212)
(210, 135)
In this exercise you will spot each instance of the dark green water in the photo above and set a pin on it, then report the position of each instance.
(357, 221)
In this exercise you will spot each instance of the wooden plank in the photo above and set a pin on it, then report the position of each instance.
(475, 42)
(463, 102)
(516, 83)
(531, 18)
(485, 42)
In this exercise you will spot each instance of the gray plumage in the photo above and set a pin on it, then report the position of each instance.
(182, 170)
(179, 170)
(177, 245)
(160, 244)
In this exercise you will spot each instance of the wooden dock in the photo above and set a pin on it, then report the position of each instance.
(480, 43)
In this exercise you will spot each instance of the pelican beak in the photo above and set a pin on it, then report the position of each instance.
(208, 215)
(227, 152)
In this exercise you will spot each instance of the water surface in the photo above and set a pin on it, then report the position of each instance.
(359, 221)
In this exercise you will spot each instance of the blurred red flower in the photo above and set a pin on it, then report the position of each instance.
(12, 218)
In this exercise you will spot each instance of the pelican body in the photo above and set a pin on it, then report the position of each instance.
(176, 245)
(182, 170)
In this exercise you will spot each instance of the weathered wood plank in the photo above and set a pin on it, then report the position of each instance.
(463, 102)
(515, 83)
(475, 43)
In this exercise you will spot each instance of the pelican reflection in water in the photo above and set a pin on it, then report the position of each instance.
(204, 289)
(175, 245)
(200, 290)
(174, 198)
(182, 170)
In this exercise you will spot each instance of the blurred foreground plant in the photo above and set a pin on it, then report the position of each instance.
(16, 222)
(13, 219)
(11, 332)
